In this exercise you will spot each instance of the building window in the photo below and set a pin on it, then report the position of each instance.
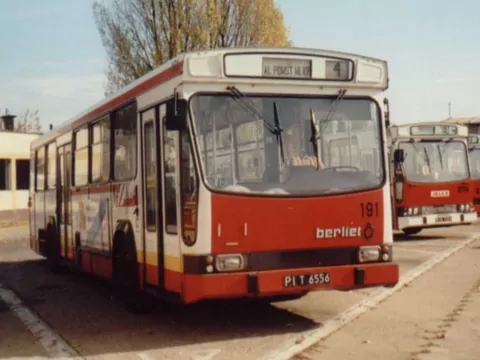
(23, 174)
(5, 174)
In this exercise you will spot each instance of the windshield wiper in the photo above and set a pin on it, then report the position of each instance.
(278, 131)
(440, 155)
(427, 158)
(333, 108)
(249, 106)
(446, 147)
(314, 136)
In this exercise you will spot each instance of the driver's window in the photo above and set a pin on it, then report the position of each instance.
(250, 151)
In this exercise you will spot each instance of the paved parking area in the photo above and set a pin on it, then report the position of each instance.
(81, 310)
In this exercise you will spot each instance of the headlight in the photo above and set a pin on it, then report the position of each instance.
(409, 211)
(229, 262)
(465, 208)
(369, 253)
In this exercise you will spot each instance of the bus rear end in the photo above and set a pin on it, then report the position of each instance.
(432, 186)
(284, 182)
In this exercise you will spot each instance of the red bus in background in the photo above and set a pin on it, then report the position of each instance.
(431, 182)
(474, 154)
(225, 173)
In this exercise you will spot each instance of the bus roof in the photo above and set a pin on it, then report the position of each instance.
(312, 66)
(463, 120)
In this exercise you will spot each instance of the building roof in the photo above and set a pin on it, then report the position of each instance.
(473, 120)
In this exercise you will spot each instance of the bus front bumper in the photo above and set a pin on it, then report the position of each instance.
(288, 282)
(434, 220)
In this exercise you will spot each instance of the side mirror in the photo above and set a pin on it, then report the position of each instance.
(398, 156)
(176, 117)
(473, 142)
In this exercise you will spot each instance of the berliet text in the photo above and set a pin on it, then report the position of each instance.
(344, 232)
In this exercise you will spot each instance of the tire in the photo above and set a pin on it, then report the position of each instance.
(125, 277)
(412, 231)
(53, 250)
(282, 298)
(277, 298)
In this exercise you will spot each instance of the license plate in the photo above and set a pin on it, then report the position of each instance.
(443, 218)
(306, 279)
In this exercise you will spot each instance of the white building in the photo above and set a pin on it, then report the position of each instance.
(14, 172)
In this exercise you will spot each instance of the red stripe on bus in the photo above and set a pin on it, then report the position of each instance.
(166, 75)
(173, 279)
(158, 79)
(271, 283)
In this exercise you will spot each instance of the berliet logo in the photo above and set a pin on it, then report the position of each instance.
(439, 193)
(341, 232)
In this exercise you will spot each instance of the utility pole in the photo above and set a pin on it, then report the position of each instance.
(449, 109)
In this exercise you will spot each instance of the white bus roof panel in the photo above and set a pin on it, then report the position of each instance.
(429, 129)
(308, 65)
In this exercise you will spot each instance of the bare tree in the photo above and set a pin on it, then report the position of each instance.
(29, 122)
(139, 35)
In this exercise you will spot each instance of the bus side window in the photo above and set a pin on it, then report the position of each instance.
(125, 143)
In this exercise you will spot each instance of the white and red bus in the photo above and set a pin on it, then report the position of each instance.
(220, 175)
(474, 157)
(431, 182)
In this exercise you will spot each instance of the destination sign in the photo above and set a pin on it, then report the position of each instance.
(287, 68)
(432, 130)
(274, 67)
(337, 70)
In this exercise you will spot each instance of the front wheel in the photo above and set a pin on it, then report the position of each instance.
(412, 231)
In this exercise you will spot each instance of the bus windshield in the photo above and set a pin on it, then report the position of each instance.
(475, 163)
(435, 161)
(240, 151)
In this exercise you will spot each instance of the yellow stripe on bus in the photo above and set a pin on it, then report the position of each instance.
(151, 182)
(170, 262)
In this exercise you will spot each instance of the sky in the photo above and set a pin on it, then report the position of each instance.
(52, 58)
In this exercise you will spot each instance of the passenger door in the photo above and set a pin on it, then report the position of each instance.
(151, 194)
(161, 199)
(64, 203)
